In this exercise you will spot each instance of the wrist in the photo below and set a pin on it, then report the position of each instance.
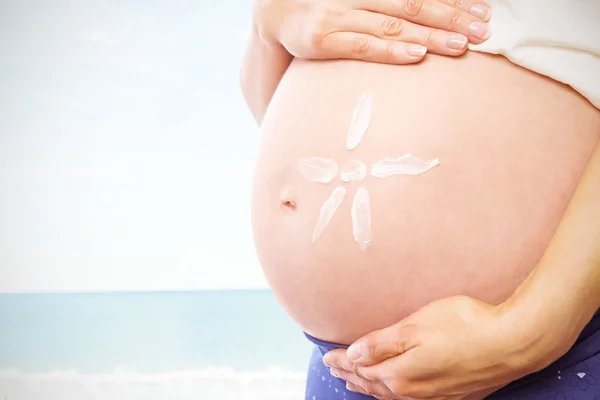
(529, 322)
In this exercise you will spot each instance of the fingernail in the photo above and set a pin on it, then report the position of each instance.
(481, 11)
(353, 352)
(333, 373)
(416, 50)
(479, 30)
(456, 41)
(327, 359)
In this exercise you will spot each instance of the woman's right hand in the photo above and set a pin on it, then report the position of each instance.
(386, 31)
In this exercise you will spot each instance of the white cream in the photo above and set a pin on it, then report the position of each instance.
(354, 171)
(317, 169)
(361, 218)
(405, 165)
(360, 121)
(324, 170)
(328, 210)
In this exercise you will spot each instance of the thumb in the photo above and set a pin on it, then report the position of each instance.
(379, 345)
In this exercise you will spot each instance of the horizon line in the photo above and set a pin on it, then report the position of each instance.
(132, 291)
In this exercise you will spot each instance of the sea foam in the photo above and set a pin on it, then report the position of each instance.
(274, 383)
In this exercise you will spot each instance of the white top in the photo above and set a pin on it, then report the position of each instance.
(556, 38)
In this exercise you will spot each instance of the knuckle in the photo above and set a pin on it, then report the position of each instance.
(322, 19)
(392, 26)
(401, 346)
(330, 12)
(319, 30)
(427, 37)
(370, 346)
(316, 37)
(361, 45)
(398, 387)
(390, 51)
(368, 386)
(413, 8)
(462, 4)
(455, 20)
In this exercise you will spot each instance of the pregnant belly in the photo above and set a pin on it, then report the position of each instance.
(511, 144)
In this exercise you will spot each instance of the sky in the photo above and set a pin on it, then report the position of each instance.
(126, 149)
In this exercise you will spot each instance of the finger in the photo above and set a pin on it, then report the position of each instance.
(359, 46)
(362, 376)
(336, 358)
(476, 8)
(391, 28)
(365, 386)
(405, 376)
(380, 345)
(353, 388)
(431, 13)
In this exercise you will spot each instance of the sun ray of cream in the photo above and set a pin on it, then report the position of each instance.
(361, 218)
(361, 118)
(328, 209)
(405, 165)
(317, 169)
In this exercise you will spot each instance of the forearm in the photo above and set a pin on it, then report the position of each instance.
(562, 293)
(263, 67)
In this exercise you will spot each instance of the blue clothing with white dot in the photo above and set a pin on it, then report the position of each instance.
(574, 376)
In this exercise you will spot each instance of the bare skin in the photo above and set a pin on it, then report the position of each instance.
(504, 342)
(476, 225)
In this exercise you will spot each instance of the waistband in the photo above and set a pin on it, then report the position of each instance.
(325, 345)
(587, 344)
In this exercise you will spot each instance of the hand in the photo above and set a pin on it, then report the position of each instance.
(456, 348)
(387, 31)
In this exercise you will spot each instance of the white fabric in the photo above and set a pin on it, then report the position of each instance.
(556, 38)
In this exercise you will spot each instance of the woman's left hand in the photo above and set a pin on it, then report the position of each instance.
(455, 348)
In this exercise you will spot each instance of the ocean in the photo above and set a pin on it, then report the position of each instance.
(201, 345)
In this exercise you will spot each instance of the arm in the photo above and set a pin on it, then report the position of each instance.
(263, 67)
(564, 289)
